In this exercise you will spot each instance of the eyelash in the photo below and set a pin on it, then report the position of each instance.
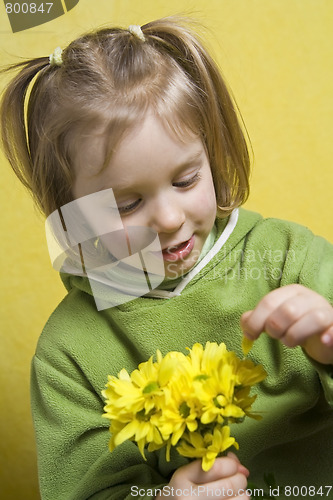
(129, 208)
(188, 182)
(182, 184)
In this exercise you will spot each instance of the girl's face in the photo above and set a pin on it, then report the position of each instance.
(158, 182)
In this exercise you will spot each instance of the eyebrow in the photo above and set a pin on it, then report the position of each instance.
(189, 161)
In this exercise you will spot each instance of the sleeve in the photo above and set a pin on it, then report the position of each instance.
(325, 373)
(72, 436)
(317, 274)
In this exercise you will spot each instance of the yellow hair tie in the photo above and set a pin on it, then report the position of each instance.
(136, 30)
(56, 57)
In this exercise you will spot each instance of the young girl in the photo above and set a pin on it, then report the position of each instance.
(143, 113)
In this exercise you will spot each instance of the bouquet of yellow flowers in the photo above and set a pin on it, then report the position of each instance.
(183, 401)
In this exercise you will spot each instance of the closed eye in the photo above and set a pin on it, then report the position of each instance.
(126, 209)
(187, 182)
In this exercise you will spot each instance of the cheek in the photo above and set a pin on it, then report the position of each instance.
(206, 200)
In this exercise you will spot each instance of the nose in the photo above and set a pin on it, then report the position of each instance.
(167, 216)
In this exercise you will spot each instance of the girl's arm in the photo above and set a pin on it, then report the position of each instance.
(74, 462)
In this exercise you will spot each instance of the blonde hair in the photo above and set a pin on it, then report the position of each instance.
(110, 78)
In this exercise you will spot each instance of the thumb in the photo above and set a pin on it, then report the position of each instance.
(241, 468)
(244, 317)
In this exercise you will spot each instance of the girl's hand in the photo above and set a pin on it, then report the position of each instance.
(295, 315)
(226, 479)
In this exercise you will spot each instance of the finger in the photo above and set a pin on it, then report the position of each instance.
(245, 317)
(241, 468)
(315, 322)
(233, 486)
(318, 350)
(243, 323)
(223, 467)
(285, 318)
(253, 322)
(327, 337)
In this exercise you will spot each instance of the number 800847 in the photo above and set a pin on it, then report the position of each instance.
(29, 8)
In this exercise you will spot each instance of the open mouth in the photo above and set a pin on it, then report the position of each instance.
(178, 252)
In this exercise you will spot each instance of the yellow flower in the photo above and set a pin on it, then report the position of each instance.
(219, 389)
(129, 394)
(123, 397)
(208, 446)
(203, 361)
(140, 429)
(179, 409)
(183, 401)
(248, 373)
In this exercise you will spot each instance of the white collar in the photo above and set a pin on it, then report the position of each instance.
(228, 230)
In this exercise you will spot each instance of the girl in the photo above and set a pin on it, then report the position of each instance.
(144, 112)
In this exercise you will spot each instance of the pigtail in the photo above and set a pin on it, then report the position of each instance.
(14, 133)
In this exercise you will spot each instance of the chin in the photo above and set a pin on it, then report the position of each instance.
(174, 270)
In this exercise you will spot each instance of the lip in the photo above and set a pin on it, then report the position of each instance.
(178, 252)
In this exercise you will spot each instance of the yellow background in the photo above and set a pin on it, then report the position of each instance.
(277, 57)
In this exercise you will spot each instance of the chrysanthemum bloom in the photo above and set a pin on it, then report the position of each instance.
(135, 402)
(224, 384)
(183, 401)
(140, 429)
(179, 408)
(208, 446)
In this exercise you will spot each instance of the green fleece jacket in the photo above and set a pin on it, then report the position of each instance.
(80, 346)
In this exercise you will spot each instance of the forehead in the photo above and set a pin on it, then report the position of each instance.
(148, 144)
(153, 138)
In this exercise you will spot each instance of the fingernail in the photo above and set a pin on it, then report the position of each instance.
(243, 470)
(327, 339)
